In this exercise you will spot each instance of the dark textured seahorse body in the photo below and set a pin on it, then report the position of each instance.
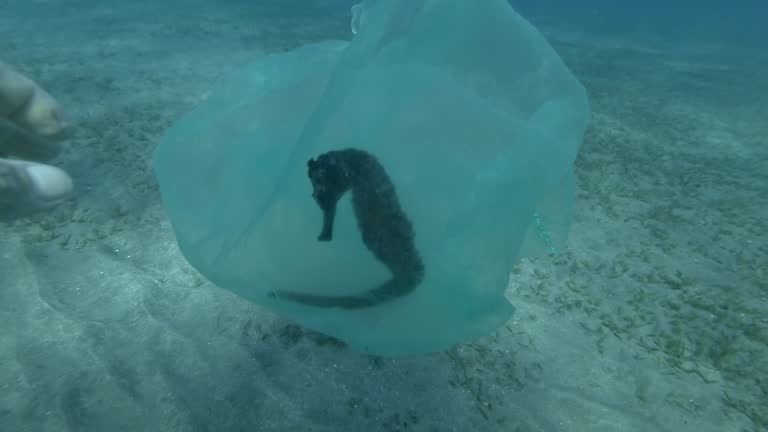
(385, 228)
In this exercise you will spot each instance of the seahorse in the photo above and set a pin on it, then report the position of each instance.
(385, 228)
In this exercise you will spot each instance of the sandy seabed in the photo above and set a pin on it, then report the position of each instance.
(653, 320)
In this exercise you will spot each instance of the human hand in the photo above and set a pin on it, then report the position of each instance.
(31, 128)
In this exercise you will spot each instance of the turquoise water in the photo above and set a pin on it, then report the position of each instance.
(652, 318)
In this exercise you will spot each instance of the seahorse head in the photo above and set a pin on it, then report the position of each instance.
(330, 179)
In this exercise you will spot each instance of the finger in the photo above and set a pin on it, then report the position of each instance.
(27, 187)
(41, 115)
(30, 119)
(15, 90)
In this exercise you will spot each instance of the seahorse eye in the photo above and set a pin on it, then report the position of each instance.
(316, 174)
